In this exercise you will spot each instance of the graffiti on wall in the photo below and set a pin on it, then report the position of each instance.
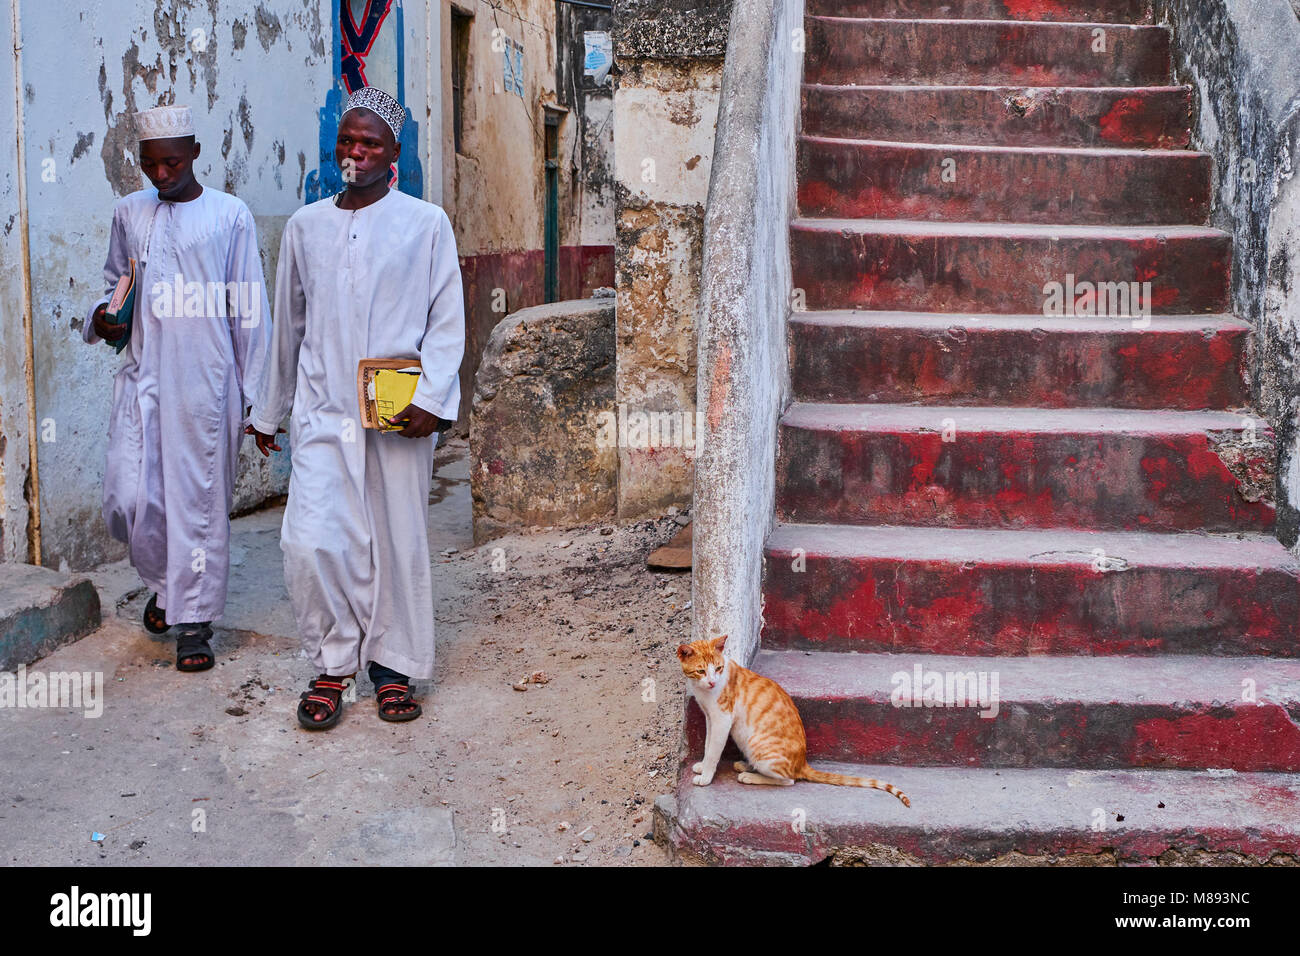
(366, 36)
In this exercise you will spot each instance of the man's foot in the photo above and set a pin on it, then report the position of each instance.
(193, 652)
(155, 621)
(396, 704)
(322, 704)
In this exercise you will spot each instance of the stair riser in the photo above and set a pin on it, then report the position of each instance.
(1010, 479)
(1054, 368)
(881, 52)
(1044, 734)
(954, 183)
(1250, 737)
(1136, 118)
(1079, 11)
(951, 607)
(1003, 274)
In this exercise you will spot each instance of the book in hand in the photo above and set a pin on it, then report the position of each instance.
(121, 307)
(384, 388)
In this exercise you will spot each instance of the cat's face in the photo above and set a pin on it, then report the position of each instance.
(703, 662)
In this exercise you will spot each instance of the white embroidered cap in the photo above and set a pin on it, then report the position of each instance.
(380, 103)
(165, 122)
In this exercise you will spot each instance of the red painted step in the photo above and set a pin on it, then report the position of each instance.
(1127, 117)
(1108, 817)
(994, 592)
(1174, 712)
(863, 52)
(1119, 469)
(890, 264)
(847, 178)
(1177, 361)
(1083, 11)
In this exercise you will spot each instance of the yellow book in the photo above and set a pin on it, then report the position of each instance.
(385, 387)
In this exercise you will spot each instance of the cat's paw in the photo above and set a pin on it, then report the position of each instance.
(702, 779)
(698, 768)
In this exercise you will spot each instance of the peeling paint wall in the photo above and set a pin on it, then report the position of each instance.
(669, 61)
(261, 76)
(495, 186)
(1240, 57)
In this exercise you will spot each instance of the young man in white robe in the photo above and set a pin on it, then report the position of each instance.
(369, 273)
(199, 337)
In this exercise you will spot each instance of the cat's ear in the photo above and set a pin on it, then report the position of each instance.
(719, 643)
(684, 651)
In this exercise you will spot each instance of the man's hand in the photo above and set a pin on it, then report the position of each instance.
(265, 443)
(417, 423)
(108, 331)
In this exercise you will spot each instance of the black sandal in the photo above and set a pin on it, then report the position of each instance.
(392, 694)
(327, 692)
(155, 621)
(191, 643)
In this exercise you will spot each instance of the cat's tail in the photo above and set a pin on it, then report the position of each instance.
(843, 780)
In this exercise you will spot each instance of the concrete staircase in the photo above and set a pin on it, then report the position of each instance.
(1076, 507)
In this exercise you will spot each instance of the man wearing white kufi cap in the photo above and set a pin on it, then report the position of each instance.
(370, 273)
(198, 339)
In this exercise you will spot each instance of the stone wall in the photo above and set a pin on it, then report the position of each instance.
(1240, 58)
(540, 452)
(668, 56)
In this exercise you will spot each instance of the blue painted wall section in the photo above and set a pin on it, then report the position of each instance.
(353, 39)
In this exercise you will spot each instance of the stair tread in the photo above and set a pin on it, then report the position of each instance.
(1004, 21)
(1004, 230)
(1144, 681)
(1044, 546)
(1008, 88)
(1101, 152)
(981, 813)
(868, 319)
(927, 418)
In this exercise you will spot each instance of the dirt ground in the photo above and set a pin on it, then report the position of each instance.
(549, 728)
(584, 745)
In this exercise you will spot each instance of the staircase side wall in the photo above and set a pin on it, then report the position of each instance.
(743, 381)
(1240, 58)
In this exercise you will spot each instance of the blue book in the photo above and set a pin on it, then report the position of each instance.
(121, 307)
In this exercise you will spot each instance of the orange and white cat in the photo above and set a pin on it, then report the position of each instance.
(760, 717)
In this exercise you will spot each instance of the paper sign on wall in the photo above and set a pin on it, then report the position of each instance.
(598, 56)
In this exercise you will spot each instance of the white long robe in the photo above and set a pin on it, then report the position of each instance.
(378, 282)
(178, 402)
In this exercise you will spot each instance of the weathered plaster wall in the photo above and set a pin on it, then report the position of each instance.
(495, 187)
(669, 63)
(745, 303)
(1240, 56)
(261, 78)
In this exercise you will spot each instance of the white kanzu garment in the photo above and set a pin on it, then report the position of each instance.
(379, 282)
(195, 357)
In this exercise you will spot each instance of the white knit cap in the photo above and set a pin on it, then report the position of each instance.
(380, 103)
(165, 122)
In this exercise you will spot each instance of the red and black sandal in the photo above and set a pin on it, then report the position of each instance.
(193, 650)
(324, 691)
(155, 620)
(393, 696)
